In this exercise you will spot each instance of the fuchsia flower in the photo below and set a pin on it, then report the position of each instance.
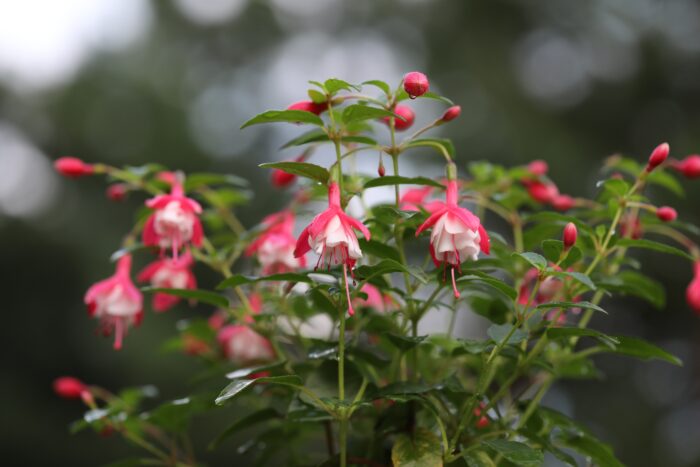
(414, 200)
(689, 167)
(69, 387)
(538, 168)
(332, 237)
(275, 246)
(309, 106)
(451, 113)
(563, 202)
(658, 156)
(116, 302)
(543, 193)
(72, 167)
(175, 221)
(404, 112)
(692, 294)
(169, 273)
(243, 346)
(456, 235)
(547, 292)
(569, 235)
(415, 84)
(666, 214)
(117, 192)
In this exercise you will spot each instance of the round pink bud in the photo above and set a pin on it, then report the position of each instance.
(415, 84)
(69, 387)
(690, 166)
(309, 106)
(538, 167)
(408, 115)
(451, 113)
(569, 236)
(117, 192)
(666, 214)
(72, 167)
(658, 156)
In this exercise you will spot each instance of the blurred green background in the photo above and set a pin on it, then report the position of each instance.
(130, 82)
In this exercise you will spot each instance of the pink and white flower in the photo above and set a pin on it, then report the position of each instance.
(169, 273)
(175, 221)
(275, 246)
(457, 234)
(116, 302)
(243, 346)
(332, 237)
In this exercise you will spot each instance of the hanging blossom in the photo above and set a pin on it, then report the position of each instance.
(275, 246)
(415, 200)
(692, 294)
(116, 302)
(456, 235)
(175, 221)
(242, 345)
(332, 237)
(169, 273)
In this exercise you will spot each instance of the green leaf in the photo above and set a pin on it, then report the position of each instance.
(240, 279)
(379, 249)
(666, 180)
(290, 116)
(358, 112)
(640, 348)
(446, 144)
(536, 260)
(238, 386)
(405, 343)
(615, 186)
(578, 276)
(552, 249)
(498, 332)
(432, 95)
(567, 305)
(600, 453)
(519, 453)
(567, 332)
(379, 84)
(651, 245)
(303, 169)
(316, 96)
(197, 180)
(334, 85)
(398, 180)
(497, 284)
(311, 136)
(478, 459)
(636, 284)
(244, 423)
(386, 266)
(205, 296)
(421, 450)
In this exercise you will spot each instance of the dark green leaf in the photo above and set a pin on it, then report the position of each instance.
(244, 423)
(379, 249)
(651, 245)
(311, 136)
(498, 284)
(303, 169)
(398, 180)
(204, 296)
(405, 343)
(316, 96)
(478, 459)
(600, 453)
(239, 385)
(432, 95)
(578, 276)
(519, 453)
(567, 332)
(420, 450)
(640, 348)
(498, 332)
(616, 186)
(634, 283)
(386, 266)
(552, 249)
(290, 116)
(568, 305)
(358, 112)
(197, 180)
(666, 180)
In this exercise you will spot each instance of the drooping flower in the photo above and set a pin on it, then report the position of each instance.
(243, 346)
(175, 221)
(415, 84)
(275, 246)
(692, 293)
(330, 234)
(406, 113)
(414, 199)
(457, 234)
(72, 167)
(169, 273)
(116, 302)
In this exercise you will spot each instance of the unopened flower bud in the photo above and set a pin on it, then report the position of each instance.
(666, 214)
(309, 106)
(281, 179)
(408, 117)
(415, 84)
(380, 169)
(658, 156)
(689, 167)
(451, 113)
(72, 167)
(68, 387)
(538, 167)
(569, 236)
(117, 192)
(563, 202)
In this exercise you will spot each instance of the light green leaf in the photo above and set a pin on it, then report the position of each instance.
(244, 423)
(358, 112)
(536, 260)
(567, 305)
(303, 169)
(651, 245)
(379, 84)
(289, 116)
(334, 85)
(578, 276)
(237, 386)
(446, 144)
(498, 332)
(519, 453)
(398, 180)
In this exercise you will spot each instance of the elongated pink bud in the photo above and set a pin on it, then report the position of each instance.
(72, 167)
(415, 84)
(309, 106)
(381, 170)
(658, 156)
(570, 235)
(451, 113)
(689, 167)
(666, 214)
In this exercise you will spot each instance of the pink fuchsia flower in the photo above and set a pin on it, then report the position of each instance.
(689, 167)
(72, 167)
(406, 113)
(569, 235)
(692, 293)
(275, 246)
(332, 237)
(116, 302)
(451, 113)
(116, 192)
(666, 214)
(243, 346)
(69, 387)
(543, 193)
(175, 221)
(414, 200)
(415, 84)
(658, 156)
(169, 273)
(457, 234)
(309, 106)
(538, 168)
